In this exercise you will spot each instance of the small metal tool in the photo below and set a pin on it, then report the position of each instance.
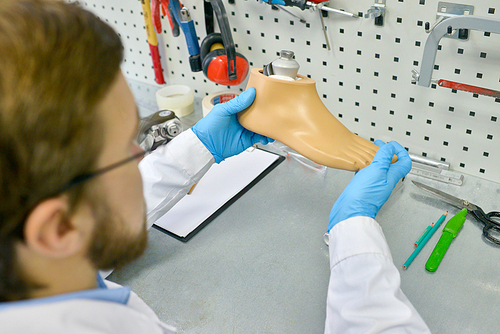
(323, 26)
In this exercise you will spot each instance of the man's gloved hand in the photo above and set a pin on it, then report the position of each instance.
(222, 134)
(370, 188)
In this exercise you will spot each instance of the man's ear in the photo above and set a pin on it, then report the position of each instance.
(50, 230)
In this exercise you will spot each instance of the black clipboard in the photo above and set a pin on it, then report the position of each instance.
(279, 159)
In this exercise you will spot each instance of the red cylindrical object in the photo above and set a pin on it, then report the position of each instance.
(155, 55)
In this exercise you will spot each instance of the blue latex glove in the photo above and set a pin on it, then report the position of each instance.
(222, 134)
(370, 188)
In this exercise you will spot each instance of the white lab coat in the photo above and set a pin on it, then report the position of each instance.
(364, 294)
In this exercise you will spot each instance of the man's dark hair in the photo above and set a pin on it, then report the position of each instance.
(57, 62)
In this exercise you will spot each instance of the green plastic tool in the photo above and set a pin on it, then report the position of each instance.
(450, 231)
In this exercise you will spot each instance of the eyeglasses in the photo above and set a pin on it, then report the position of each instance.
(85, 177)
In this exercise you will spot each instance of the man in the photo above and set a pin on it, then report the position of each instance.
(72, 193)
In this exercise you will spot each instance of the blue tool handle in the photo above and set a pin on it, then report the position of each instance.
(191, 38)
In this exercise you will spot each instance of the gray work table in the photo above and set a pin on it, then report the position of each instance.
(262, 266)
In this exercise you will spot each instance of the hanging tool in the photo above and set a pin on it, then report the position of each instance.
(468, 88)
(155, 8)
(491, 229)
(324, 28)
(183, 18)
(312, 4)
(153, 42)
(323, 7)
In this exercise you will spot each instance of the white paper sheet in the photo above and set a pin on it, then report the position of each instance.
(221, 183)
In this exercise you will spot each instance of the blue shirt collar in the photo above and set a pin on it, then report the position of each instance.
(118, 295)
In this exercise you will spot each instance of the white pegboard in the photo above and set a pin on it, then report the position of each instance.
(364, 80)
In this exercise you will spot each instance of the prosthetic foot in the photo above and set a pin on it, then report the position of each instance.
(292, 113)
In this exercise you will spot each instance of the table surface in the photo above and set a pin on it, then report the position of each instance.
(262, 265)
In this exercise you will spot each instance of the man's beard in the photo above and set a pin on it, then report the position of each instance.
(113, 245)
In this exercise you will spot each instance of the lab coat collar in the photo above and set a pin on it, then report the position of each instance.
(118, 295)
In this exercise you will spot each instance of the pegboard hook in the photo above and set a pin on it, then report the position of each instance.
(377, 11)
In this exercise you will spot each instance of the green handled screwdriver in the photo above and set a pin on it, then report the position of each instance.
(450, 231)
